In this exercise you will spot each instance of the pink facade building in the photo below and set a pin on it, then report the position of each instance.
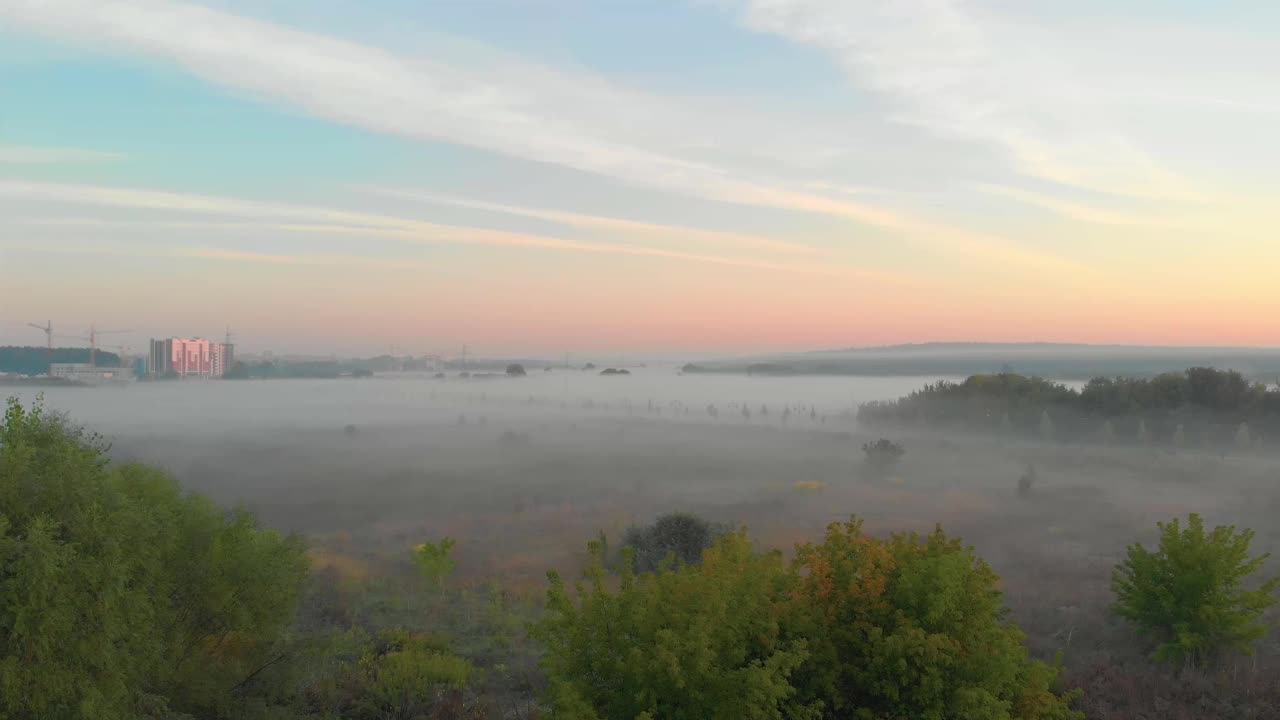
(189, 357)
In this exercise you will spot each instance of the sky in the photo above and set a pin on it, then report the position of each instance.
(682, 176)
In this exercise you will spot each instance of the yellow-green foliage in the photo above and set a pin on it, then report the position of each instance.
(117, 590)
(855, 627)
(1189, 594)
(702, 642)
(404, 675)
(810, 485)
(434, 560)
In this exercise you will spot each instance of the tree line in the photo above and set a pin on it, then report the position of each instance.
(35, 360)
(1205, 404)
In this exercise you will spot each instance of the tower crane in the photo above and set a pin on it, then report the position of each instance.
(47, 327)
(93, 342)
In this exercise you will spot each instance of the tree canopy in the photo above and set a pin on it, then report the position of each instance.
(120, 594)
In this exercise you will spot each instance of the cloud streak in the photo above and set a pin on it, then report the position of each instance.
(517, 109)
(969, 76)
(318, 220)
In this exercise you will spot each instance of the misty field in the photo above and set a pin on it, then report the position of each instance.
(523, 472)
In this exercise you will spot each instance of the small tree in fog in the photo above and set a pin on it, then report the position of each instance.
(1027, 480)
(883, 454)
(434, 561)
(1243, 437)
(1046, 427)
(1189, 594)
(682, 536)
(746, 412)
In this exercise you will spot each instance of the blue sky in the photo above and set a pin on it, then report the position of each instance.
(630, 175)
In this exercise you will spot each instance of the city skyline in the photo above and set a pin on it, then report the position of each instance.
(713, 176)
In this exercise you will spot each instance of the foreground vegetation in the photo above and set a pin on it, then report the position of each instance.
(122, 596)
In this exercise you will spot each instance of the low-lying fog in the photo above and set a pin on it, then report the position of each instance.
(523, 471)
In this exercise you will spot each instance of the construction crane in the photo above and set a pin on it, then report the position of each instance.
(47, 327)
(92, 337)
(93, 342)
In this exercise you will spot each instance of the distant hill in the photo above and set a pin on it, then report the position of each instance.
(1063, 361)
(27, 360)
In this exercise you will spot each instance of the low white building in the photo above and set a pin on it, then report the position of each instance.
(86, 373)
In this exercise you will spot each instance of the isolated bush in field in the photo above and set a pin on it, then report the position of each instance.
(683, 536)
(883, 454)
(434, 560)
(512, 439)
(1189, 594)
(700, 641)
(395, 675)
(118, 592)
(909, 627)
(1027, 480)
(350, 429)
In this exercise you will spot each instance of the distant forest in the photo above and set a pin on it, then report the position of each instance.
(1059, 361)
(35, 360)
(1199, 406)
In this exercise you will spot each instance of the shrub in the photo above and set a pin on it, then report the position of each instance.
(118, 591)
(1027, 480)
(1189, 595)
(683, 536)
(698, 642)
(855, 627)
(883, 454)
(396, 675)
(434, 560)
(910, 627)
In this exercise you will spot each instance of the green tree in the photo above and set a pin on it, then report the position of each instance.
(1189, 594)
(855, 627)
(435, 560)
(699, 642)
(679, 537)
(120, 593)
(910, 627)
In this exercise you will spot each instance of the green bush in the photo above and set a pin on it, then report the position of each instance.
(1189, 594)
(681, 536)
(855, 627)
(120, 596)
(910, 627)
(883, 453)
(701, 642)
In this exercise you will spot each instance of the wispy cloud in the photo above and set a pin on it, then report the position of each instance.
(319, 220)
(1090, 213)
(969, 76)
(681, 234)
(51, 155)
(574, 120)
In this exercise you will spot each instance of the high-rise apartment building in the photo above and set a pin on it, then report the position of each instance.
(189, 357)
